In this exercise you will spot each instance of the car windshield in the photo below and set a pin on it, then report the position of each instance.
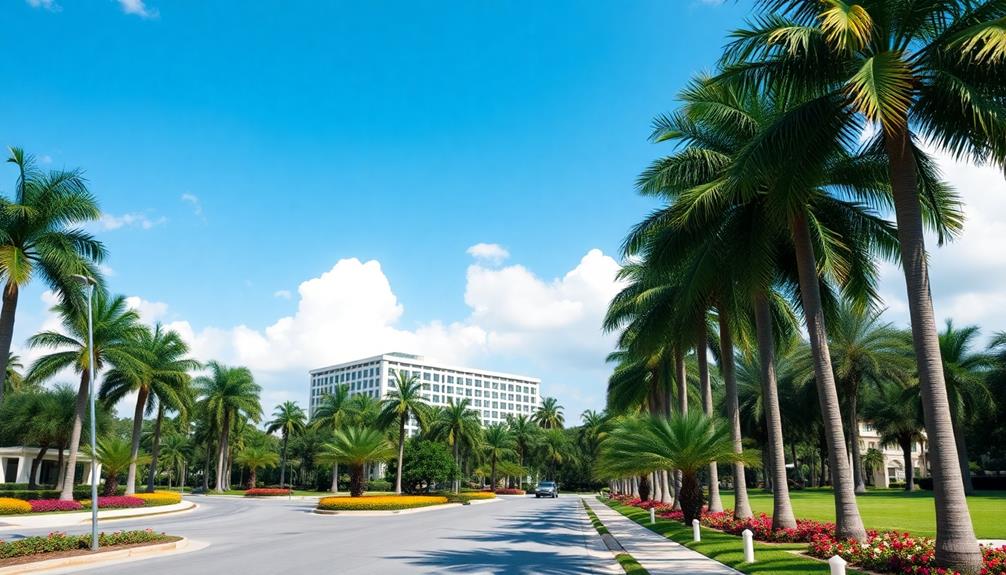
(546, 484)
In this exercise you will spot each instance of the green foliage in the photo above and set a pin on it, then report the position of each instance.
(427, 464)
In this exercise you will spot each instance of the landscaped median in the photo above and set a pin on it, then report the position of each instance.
(11, 506)
(379, 502)
(60, 545)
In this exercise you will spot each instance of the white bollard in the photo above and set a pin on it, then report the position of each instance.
(696, 532)
(653, 516)
(837, 565)
(748, 546)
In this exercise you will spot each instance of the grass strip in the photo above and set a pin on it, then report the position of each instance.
(627, 561)
(770, 558)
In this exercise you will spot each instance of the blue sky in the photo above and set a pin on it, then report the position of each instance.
(241, 150)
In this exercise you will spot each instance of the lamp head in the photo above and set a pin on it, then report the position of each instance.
(84, 280)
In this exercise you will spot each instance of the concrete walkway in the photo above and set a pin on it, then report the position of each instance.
(656, 553)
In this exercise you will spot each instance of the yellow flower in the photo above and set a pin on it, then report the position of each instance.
(379, 502)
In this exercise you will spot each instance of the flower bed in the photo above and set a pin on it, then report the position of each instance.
(11, 506)
(47, 505)
(511, 492)
(266, 492)
(55, 542)
(466, 497)
(115, 502)
(379, 502)
(160, 498)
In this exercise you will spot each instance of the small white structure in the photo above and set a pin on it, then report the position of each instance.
(15, 465)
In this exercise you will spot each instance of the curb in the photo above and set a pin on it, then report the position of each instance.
(87, 561)
(385, 513)
(46, 521)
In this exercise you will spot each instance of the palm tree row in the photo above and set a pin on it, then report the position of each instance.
(773, 210)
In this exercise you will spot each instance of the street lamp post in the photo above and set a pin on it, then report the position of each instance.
(89, 283)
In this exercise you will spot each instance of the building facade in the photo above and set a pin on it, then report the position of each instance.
(494, 395)
(893, 470)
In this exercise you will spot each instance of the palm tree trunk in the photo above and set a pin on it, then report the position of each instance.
(141, 403)
(155, 449)
(956, 546)
(782, 509)
(335, 478)
(282, 464)
(962, 452)
(457, 459)
(253, 478)
(206, 464)
(222, 455)
(401, 456)
(906, 454)
(848, 523)
(35, 462)
(7, 313)
(858, 475)
(492, 481)
(681, 379)
(742, 507)
(715, 503)
(356, 480)
(60, 467)
(666, 496)
(78, 423)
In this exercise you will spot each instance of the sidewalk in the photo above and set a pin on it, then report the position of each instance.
(46, 520)
(656, 553)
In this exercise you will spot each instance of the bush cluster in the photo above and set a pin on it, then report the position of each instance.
(47, 505)
(116, 502)
(21, 491)
(509, 491)
(160, 498)
(11, 506)
(62, 542)
(266, 492)
(379, 502)
(465, 497)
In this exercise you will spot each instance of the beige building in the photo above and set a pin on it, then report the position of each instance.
(894, 460)
(15, 466)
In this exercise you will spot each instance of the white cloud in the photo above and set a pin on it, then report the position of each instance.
(197, 205)
(131, 220)
(150, 312)
(282, 294)
(106, 270)
(45, 158)
(137, 8)
(49, 5)
(489, 253)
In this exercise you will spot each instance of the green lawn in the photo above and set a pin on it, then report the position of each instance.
(770, 559)
(890, 509)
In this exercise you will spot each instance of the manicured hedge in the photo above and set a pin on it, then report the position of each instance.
(47, 505)
(510, 492)
(160, 498)
(266, 492)
(12, 506)
(466, 497)
(379, 502)
(56, 542)
(116, 502)
(79, 492)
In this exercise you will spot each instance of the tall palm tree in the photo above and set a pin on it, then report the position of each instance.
(356, 447)
(161, 374)
(896, 414)
(115, 455)
(331, 414)
(403, 402)
(456, 424)
(288, 419)
(965, 371)
(685, 441)
(41, 237)
(115, 328)
(254, 457)
(921, 70)
(228, 394)
(526, 434)
(864, 351)
(14, 379)
(497, 443)
(549, 414)
(175, 451)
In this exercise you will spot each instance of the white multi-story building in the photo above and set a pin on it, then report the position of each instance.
(492, 394)
(893, 470)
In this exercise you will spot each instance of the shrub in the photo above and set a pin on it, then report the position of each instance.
(160, 498)
(11, 506)
(466, 497)
(47, 505)
(379, 502)
(510, 492)
(116, 502)
(427, 463)
(56, 542)
(267, 492)
(379, 485)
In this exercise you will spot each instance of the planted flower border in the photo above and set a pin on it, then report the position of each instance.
(267, 492)
(11, 506)
(61, 542)
(883, 552)
(379, 502)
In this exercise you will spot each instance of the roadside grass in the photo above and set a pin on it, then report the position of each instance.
(889, 509)
(627, 561)
(770, 559)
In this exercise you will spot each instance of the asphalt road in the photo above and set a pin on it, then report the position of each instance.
(513, 536)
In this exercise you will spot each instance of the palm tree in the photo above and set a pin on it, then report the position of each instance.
(331, 414)
(356, 447)
(526, 434)
(288, 419)
(497, 443)
(115, 328)
(404, 401)
(41, 237)
(873, 460)
(41, 418)
(116, 455)
(556, 450)
(228, 394)
(965, 372)
(688, 442)
(896, 414)
(14, 380)
(548, 415)
(863, 351)
(175, 451)
(160, 373)
(456, 424)
(888, 63)
(253, 457)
